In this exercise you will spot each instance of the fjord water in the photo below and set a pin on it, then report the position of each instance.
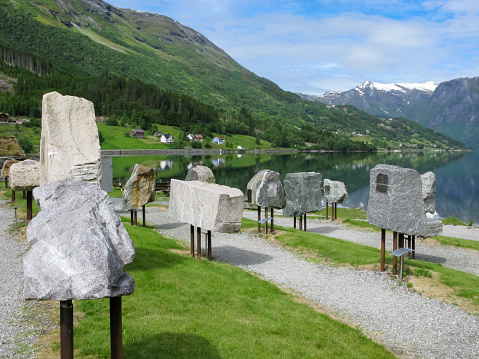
(457, 173)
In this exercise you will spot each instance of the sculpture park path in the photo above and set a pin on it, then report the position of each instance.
(408, 324)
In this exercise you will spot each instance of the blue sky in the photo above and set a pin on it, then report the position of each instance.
(317, 46)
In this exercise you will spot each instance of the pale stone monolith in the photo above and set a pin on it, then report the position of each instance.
(265, 190)
(77, 245)
(334, 191)
(25, 175)
(140, 188)
(209, 206)
(303, 193)
(396, 200)
(200, 173)
(6, 167)
(429, 191)
(69, 146)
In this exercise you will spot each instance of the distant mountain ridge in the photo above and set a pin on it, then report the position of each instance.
(385, 100)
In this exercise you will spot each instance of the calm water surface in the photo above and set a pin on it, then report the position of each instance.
(457, 173)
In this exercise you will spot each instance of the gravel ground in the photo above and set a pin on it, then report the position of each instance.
(19, 326)
(410, 325)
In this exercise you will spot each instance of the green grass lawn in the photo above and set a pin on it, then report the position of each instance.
(188, 308)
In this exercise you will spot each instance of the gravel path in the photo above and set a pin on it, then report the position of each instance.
(410, 325)
(19, 329)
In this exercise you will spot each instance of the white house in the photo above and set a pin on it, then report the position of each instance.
(218, 140)
(167, 138)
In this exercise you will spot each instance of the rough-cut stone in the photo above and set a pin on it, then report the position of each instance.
(334, 191)
(209, 206)
(106, 173)
(303, 193)
(265, 190)
(429, 191)
(140, 187)
(6, 167)
(25, 175)
(395, 200)
(69, 146)
(200, 173)
(78, 245)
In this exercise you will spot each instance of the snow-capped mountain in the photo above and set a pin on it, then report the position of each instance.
(394, 100)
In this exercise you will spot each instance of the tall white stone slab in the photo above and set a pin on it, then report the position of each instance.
(209, 206)
(69, 146)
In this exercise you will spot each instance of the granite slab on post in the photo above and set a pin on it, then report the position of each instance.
(25, 175)
(140, 188)
(69, 145)
(303, 193)
(77, 245)
(334, 191)
(265, 190)
(209, 206)
(6, 167)
(200, 173)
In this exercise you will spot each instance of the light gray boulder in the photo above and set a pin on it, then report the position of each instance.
(209, 206)
(265, 190)
(334, 191)
(396, 201)
(303, 193)
(77, 245)
(6, 167)
(200, 173)
(140, 188)
(25, 175)
(69, 145)
(429, 191)
(106, 173)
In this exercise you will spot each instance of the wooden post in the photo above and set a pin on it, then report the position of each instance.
(383, 249)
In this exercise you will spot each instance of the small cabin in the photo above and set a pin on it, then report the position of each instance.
(138, 133)
(167, 138)
(218, 140)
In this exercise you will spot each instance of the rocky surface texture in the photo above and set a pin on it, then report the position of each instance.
(206, 205)
(140, 187)
(428, 180)
(78, 245)
(303, 193)
(265, 190)
(25, 175)
(6, 167)
(69, 146)
(200, 173)
(334, 191)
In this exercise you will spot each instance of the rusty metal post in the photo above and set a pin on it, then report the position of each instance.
(29, 205)
(24, 194)
(266, 223)
(136, 217)
(300, 223)
(395, 259)
(131, 213)
(210, 255)
(272, 220)
(198, 242)
(401, 240)
(294, 222)
(13, 195)
(305, 222)
(327, 210)
(144, 215)
(116, 336)
(335, 211)
(66, 329)
(6, 182)
(192, 240)
(413, 247)
(259, 219)
(383, 249)
(409, 245)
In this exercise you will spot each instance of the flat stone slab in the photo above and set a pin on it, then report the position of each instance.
(69, 146)
(334, 191)
(25, 175)
(140, 188)
(266, 190)
(77, 245)
(209, 206)
(303, 193)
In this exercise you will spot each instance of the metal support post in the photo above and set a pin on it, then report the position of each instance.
(24, 194)
(116, 336)
(335, 211)
(413, 247)
(294, 222)
(395, 246)
(327, 210)
(409, 245)
(66, 329)
(266, 216)
(192, 239)
(6, 182)
(144, 215)
(383, 249)
(305, 222)
(300, 223)
(198, 242)
(259, 219)
(272, 220)
(13, 195)
(29, 205)
(131, 214)
(210, 255)
(135, 212)
(401, 240)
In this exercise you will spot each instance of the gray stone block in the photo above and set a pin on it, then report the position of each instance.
(334, 191)
(78, 245)
(25, 175)
(209, 206)
(140, 188)
(265, 190)
(429, 191)
(303, 193)
(200, 173)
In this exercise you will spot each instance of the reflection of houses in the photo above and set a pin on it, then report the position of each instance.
(218, 140)
(197, 137)
(138, 133)
(166, 165)
(167, 138)
(218, 162)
